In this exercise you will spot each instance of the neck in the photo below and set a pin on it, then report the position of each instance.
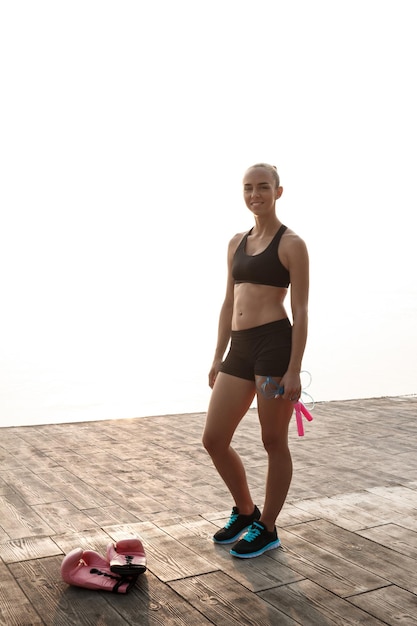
(265, 227)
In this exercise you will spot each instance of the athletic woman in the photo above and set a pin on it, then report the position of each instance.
(265, 353)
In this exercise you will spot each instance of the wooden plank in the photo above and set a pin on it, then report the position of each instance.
(127, 496)
(92, 539)
(30, 487)
(28, 548)
(31, 458)
(261, 573)
(308, 603)
(393, 605)
(149, 602)
(373, 504)
(153, 603)
(407, 521)
(75, 490)
(312, 560)
(394, 537)
(379, 507)
(359, 551)
(63, 517)
(226, 603)
(15, 608)
(58, 603)
(333, 510)
(8, 461)
(20, 438)
(399, 495)
(59, 492)
(20, 520)
(357, 510)
(168, 559)
(111, 515)
(68, 461)
(161, 492)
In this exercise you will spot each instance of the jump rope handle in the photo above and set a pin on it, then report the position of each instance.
(301, 410)
(299, 407)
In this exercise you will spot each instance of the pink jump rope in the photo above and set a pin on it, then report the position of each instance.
(271, 389)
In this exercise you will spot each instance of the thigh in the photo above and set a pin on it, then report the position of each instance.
(230, 400)
(274, 414)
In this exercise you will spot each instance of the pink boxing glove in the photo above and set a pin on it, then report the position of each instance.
(90, 570)
(127, 557)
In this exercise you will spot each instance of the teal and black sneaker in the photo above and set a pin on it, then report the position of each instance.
(256, 541)
(236, 525)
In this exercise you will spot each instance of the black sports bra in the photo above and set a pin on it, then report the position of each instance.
(264, 268)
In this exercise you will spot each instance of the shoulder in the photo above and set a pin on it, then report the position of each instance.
(292, 246)
(290, 239)
(235, 241)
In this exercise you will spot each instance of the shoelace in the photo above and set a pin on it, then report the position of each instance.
(232, 520)
(253, 533)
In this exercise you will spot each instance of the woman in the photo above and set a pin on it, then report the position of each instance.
(266, 351)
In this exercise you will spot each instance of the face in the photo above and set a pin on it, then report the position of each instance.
(259, 191)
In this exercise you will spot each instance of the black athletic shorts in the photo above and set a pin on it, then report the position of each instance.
(263, 350)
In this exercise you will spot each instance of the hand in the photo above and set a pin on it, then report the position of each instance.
(292, 386)
(213, 373)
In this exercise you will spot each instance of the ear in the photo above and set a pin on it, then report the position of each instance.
(279, 192)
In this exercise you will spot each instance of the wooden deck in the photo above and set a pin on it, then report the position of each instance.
(349, 528)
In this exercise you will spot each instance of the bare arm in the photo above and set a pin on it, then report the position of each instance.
(225, 318)
(296, 258)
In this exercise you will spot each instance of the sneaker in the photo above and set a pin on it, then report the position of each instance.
(256, 541)
(236, 525)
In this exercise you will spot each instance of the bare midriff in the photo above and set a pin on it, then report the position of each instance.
(255, 305)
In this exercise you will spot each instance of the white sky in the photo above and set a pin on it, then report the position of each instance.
(125, 130)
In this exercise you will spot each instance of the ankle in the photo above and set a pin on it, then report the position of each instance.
(246, 510)
(269, 527)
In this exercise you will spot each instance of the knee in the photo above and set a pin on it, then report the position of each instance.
(209, 443)
(270, 444)
(213, 444)
(275, 445)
